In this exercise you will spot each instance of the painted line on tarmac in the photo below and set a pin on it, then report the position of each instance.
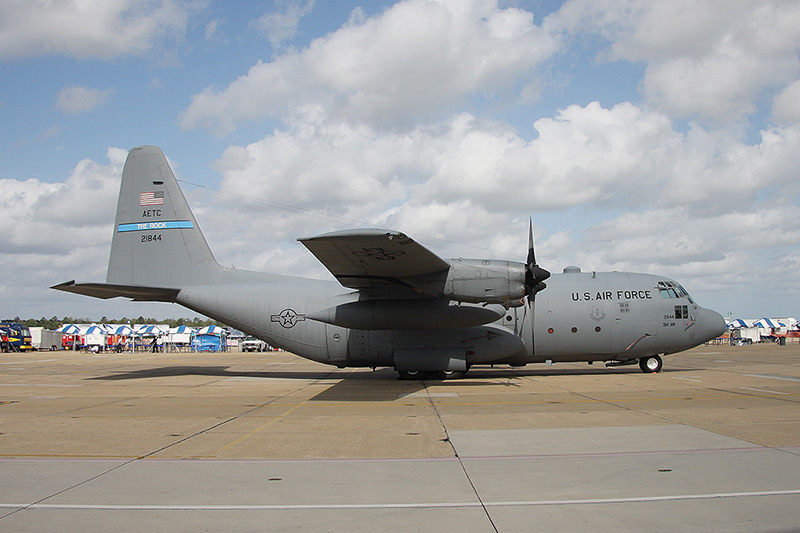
(409, 505)
(351, 403)
(773, 376)
(23, 362)
(763, 390)
(424, 394)
(41, 385)
(611, 454)
(212, 459)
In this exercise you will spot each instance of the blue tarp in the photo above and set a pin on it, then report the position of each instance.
(207, 343)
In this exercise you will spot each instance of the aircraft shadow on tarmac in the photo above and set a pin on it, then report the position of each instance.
(219, 371)
(354, 385)
(382, 374)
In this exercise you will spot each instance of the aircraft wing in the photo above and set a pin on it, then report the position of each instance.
(372, 258)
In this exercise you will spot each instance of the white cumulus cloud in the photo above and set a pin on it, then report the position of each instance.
(88, 28)
(710, 59)
(51, 218)
(786, 106)
(281, 25)
(76, 99)
(413, 59)
(660, 199)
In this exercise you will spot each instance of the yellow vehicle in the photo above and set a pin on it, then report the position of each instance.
(15, 337)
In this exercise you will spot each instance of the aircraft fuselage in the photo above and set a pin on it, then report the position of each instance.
(597, 316)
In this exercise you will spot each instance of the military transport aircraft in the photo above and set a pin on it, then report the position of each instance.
(396, 304)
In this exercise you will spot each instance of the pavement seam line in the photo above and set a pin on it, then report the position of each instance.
(457, 456)
(421, 505)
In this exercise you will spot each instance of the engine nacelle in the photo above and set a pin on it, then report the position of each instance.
(476, 281)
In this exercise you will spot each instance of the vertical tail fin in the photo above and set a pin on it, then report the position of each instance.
(157, 242)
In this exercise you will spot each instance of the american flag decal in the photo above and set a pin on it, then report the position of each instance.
(151, 198)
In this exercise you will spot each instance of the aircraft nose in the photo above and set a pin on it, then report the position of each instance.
(710, 324)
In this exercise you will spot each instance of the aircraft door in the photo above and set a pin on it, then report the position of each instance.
(336, 338)
(601, 326)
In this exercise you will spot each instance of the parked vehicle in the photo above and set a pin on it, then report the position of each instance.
(252, 344)
(15, 337)
(45, 339)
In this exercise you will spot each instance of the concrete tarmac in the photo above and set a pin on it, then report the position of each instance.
(255, 442)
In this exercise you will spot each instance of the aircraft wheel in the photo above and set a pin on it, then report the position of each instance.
(410, 374)
(651, 365)
(450, 374)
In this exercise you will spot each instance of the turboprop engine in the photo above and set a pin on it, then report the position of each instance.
(486, 281)
(476, 281)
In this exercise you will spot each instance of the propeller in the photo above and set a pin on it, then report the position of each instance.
(534, 282)
(534, 274)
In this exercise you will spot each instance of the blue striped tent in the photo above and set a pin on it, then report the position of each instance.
(150, 331)
(768, 323)
(116, 329)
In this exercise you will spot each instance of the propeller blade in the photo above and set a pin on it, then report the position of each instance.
(531, 254)
(534, 274)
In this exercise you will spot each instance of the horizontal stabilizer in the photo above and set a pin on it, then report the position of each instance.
(107, 290)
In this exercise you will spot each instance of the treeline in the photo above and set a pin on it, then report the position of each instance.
(55, 322)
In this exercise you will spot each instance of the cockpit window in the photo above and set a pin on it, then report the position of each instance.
(670, 289)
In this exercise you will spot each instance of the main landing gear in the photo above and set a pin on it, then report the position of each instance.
(651, 364)
(442, 375)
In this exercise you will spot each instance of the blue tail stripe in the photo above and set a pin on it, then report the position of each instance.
(150, 226)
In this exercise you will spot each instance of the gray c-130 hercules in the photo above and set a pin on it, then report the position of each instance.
(396, 304)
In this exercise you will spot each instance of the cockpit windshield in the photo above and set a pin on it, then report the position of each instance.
(670, 289)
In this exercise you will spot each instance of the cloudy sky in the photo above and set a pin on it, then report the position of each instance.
(658, 136)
